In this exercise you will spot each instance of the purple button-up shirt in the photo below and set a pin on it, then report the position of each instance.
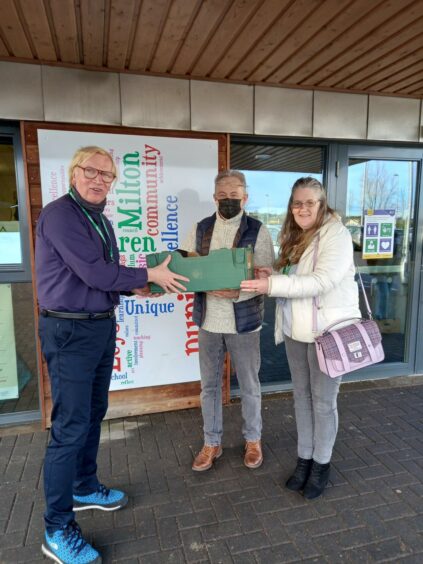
(73, 268)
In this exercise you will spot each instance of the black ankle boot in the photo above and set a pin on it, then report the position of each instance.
(317, 481)
(300, 476)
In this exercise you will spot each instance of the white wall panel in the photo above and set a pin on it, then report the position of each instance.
(149, 101)
(21, 94)
(394, 119)
(340, 116)
(218, 106)
(283, 111)
(35, 92)
(80, 96)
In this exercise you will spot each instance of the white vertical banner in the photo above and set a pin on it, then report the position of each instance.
(164, 186)
(9, 388)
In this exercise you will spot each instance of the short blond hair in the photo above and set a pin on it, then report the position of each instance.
(84, 153)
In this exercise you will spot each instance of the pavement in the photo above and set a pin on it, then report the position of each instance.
(372, 510)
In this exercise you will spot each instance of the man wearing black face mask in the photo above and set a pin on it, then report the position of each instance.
(230, 322)
(229, 207)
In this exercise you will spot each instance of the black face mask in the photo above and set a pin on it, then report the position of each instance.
(229, 207)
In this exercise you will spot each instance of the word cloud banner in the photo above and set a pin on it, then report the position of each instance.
(164, 186)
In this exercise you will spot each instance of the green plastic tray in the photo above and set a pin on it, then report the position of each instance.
(221, 269)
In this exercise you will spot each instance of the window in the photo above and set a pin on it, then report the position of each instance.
(18, 357)
(270, 170)
(14, 235)
(10, 241)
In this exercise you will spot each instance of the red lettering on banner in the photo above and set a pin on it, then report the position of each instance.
(118, 361)
(188, 310)
(191, 343)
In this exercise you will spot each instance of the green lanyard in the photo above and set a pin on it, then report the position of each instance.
(96, 227)
(286, 268)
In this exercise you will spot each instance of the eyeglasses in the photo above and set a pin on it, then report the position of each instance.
(91, 173)
(308, 204)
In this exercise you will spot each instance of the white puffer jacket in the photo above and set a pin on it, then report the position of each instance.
(332, 281)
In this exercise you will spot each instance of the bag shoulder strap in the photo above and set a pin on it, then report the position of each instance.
(366, 301)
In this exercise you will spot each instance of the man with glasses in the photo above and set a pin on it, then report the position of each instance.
(230, 322)
(79, 280)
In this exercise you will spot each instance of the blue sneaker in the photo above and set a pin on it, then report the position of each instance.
(103, 498)
(67, 546)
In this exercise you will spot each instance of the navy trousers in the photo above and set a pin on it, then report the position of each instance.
(79, 355)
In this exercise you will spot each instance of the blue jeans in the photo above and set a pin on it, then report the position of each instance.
(244, 349)
(79, 355)
(315, 396)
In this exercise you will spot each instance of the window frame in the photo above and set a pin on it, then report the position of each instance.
(19, 272)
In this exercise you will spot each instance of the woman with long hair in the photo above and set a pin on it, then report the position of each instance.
(314, 282)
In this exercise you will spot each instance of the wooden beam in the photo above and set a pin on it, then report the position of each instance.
(208, 18)
(314, 40)
(122, 28)
(402, 81)
(66, 30)
(380, 43)
(234, 21)
(400, 72)
(414, 89)
(3, 49)
(93, 14)
(38, 27)
(247, 40)
(287, 24)
(33, 158)
(13, 31)
(353, 43)
(178, 22)
(149, 26)
(378, 66)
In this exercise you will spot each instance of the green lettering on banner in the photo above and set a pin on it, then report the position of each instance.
(134, 219)
(137, 244)
(130, 217)
(122, 241)
(146, 248)
(132, 159)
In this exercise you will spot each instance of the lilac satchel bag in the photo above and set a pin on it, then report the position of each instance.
(351, 347)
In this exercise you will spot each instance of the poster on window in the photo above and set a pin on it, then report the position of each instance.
(9, 388)
(379, 230)
(164, 186)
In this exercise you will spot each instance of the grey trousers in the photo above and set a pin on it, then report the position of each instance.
(245, 355)
(315, 396)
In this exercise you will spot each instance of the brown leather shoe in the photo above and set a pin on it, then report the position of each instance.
(253, 455)
(205, 458)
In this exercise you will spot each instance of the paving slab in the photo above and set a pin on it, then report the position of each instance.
(372, 510)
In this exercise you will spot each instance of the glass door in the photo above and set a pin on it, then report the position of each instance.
(372, 188)
(271, 169)
(377, 194)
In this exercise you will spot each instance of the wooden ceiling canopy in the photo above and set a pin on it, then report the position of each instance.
(373, 46)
